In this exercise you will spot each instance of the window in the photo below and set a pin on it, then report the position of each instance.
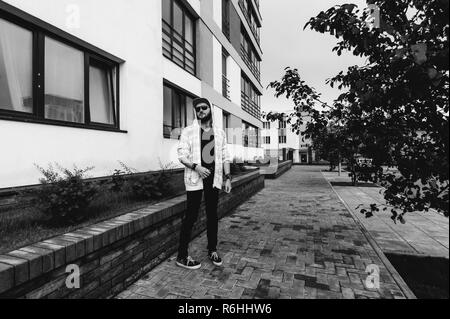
(64, 82)
(250, 135)
(178, 112)
(225, 18)
(250, 99)
(225, 80)
(267, 140)
(226, 121)
(101, 92)
(178, 35)
(50, 77)
(283, 124)
(249, 14)
(249, 56)
(282, 139)
(267, 125)
(16, 68)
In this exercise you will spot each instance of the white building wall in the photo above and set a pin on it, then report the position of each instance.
(195, 4)
(234, 75)
(217, 12)
(217, 65)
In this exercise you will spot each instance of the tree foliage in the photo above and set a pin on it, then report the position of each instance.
(393, 109)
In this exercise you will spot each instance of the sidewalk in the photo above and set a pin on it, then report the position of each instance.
(424, 234)
(293, 240)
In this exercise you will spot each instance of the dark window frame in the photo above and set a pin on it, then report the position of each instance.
(250, 98)
(182, 93)
(248, 140)
(40, 30)
(170, 33)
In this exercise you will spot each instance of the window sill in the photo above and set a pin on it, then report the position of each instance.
(59, 123)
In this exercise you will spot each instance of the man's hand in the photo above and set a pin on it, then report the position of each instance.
(228, 186)
(204, 172)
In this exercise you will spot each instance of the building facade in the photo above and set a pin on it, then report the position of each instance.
(278, 140)
(90, 83)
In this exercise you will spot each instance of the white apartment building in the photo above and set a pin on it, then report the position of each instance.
(94, 82)
(278, 140)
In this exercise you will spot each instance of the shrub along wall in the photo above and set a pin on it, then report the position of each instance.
(19, 197)
(111, 255)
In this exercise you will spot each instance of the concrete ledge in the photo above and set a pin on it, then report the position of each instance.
(281, 168)
(111, 255)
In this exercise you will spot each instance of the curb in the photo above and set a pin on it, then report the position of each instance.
(390, 268)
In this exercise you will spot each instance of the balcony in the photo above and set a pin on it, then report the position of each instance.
(250, 106)
(225, 87)
(253, 67)
(248, 16)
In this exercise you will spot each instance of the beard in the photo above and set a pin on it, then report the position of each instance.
(207, 118)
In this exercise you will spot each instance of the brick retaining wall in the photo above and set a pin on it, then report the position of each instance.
(281, 169)
(111, 255)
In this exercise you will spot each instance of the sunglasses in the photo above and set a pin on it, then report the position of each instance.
(201, 108)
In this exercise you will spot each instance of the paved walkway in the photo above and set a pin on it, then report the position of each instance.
(293, 240)
(424, 234)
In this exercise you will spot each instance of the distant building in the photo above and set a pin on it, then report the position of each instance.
(278, 140)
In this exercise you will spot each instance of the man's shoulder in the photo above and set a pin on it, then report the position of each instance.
(219, 132)
(189, 129)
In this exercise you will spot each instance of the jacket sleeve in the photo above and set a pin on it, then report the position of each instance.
(226, 157)
(184, 148)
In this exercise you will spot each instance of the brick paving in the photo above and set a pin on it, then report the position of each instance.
(293, 240)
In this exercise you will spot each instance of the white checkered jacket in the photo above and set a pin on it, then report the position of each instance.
(189, 148)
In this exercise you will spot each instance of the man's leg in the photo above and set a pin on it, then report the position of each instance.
(193, 206)
(211, 201)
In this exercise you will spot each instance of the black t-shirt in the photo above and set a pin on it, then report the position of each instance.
(208, 149)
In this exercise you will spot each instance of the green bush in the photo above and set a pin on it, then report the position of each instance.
(64, 196)
(144, 186)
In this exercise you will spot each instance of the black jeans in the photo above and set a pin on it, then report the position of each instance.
(194, 200)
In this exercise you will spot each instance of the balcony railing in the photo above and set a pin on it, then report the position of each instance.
(177, 49)
(225, 87)
(255, 70)
(250, 106)
(247, 14)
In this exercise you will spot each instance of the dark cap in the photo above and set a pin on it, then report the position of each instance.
(198, 101)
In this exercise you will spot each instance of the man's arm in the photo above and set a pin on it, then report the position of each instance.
(226, 165)
(184, 150)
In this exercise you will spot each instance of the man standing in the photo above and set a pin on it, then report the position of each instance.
(203, 151)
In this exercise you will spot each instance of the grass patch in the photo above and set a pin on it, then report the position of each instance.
(426, 277)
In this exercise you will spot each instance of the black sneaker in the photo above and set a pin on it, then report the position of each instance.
(214, 257)
(188, 263)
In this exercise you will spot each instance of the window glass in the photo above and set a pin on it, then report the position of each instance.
(167, 111)
(189, 30)
(189, 111)
(16, 67)
(166, 10)
(64, 82)
(101, 95)
(177, 18)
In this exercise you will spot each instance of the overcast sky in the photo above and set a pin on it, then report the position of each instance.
(284, 43)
